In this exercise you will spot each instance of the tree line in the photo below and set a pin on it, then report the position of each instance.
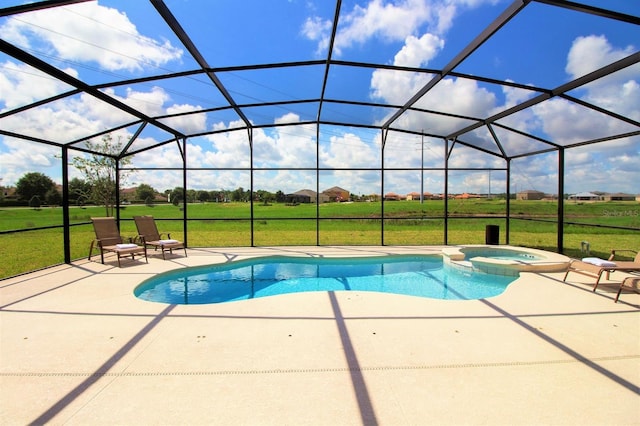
(37, 189)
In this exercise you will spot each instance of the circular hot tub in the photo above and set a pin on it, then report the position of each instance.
(504, 260)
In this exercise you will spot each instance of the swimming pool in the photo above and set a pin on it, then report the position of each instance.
(422, 276)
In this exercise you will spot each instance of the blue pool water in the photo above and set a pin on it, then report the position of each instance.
(423, 276)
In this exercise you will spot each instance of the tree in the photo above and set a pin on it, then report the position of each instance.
(99, 170)
(264, 196)
(144, 192)
(203, 196)
(53, 197)
(35, 202)
(191, 196)
(238, 195)
(177, 195)
(34, 184)
(79, 191)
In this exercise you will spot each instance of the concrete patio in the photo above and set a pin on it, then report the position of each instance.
(77, 348)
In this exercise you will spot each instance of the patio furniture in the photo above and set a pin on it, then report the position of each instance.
(150, 236)
(108, 239)
(631, 282)
(595, 267)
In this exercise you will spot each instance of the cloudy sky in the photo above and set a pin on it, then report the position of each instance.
(543, 47)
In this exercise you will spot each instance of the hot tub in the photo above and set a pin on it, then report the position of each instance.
(504, 260)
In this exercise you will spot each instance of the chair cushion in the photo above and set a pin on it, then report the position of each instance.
(126, 246)
(598, 262)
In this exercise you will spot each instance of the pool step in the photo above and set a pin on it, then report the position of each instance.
(463, 264)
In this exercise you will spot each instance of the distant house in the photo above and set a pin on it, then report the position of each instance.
(416, 196)
(306, 196)
(618, 197)
(585, 196)
(298, 198)
(530, 194)
(128, 194)
(392, 196)
(466, 196)
(413, 196)
(337, 194)
(8, 191)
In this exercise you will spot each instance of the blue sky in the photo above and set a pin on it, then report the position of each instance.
(544, 46)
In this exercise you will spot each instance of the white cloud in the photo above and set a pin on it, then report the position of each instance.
(19, 157)
(418, 51)
(619, 92)
(458, 95)
(318, 30)
(616, 169)
(191, 123)
(88, 32)
(52, 123)
(21, 85)
(165, 156)
(229, 149)
(566, 122)
(286, 146)
(396, 87)
(79, 116)
(389, 21)
(592, 52)
(230, 152)
(287, 118)
(339, 152)
(463, 96)
(515, 95)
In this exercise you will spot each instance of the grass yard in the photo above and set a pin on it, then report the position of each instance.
(406, 223)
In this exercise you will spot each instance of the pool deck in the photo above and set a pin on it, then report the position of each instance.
(77, 348)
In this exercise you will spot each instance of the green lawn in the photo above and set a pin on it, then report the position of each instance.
(406, 223)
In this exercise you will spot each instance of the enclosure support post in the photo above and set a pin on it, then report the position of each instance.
(383, 136)
(184, 189)
(422, 169)
(446, 192)
(561, 200)
(117, 203)
(250, 130)
(508, 212)
(318, 184)
(65, 205)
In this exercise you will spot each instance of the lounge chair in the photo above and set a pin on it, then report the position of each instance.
(108, 239)
(150, 236)
(632, 282)
(595, 267)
